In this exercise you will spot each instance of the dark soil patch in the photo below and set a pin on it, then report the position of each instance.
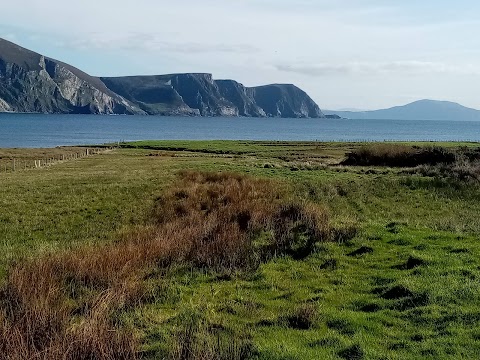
(361, 251)
(331, 264)
(412, 263)
(354, 352)
(460, 251)
(342, 326)
(398, 292)
(370, 308)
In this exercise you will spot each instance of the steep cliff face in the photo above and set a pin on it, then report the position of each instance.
(239, 95)
(175, 94)
(4, 107)
(30, 82)
(287, 101)
(199, 94)
(199, 91)
(153, 94)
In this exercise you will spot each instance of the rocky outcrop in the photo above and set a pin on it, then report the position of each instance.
(334, 117)
(287, 101)
(176, 94)
(241, 97)
(153, 94)
(4, 107)
(30, 82)
(199, 94)
(199, 91)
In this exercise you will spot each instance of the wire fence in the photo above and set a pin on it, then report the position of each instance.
(22, 163)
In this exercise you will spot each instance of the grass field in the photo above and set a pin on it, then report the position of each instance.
(399, 280)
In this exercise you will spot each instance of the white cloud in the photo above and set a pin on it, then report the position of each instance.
(150, 43)
(344, 53)
(385, 68)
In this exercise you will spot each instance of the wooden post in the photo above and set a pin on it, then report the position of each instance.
(13, 164)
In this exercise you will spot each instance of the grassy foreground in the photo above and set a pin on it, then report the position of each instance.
(398, 277)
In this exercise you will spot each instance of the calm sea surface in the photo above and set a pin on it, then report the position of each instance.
(33, 130)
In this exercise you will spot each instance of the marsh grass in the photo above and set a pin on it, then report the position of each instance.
(423, 232)
(398, 155)
(61, 305)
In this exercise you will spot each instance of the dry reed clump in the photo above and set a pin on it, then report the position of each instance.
(63, 306)
(303, 317)
(397, 155)
(214, 220)
(197, 339)
(462, 171)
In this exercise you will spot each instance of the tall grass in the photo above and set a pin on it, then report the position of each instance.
(397, 155)
(458, 164)
(64, 305)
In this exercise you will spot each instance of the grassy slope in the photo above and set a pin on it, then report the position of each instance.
(400, 218)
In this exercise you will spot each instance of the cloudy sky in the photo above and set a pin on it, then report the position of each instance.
(362, 54)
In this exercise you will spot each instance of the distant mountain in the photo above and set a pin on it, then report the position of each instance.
(352, 109)
(418, 110)
(30, 82)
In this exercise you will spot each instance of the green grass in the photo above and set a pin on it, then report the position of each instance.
(411, 292)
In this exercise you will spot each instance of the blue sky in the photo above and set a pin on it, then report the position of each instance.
(346, 53)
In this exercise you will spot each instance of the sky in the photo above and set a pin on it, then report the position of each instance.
(361, 54)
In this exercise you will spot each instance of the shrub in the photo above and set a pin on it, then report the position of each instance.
(395, 155)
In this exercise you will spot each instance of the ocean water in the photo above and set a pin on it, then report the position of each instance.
(38, 130)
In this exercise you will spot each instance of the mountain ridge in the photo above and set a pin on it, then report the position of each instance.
(31, 82)
(425, 109)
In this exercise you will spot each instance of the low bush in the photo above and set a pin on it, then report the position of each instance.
(459, 164)
(395, 155)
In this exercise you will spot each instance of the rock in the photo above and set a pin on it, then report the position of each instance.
(4, 107)
(285, 100)
(30, 82)
(241, 97)
(333, 116)
(153, 94)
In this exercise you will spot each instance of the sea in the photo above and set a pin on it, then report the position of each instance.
(46, 131)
